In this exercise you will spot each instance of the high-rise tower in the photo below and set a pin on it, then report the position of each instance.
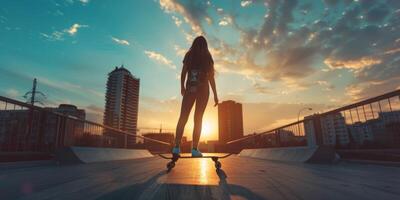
(230, 121)
(122, 102)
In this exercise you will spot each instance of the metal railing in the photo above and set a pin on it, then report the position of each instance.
(292, 134)
(28, 128)
(371, 123)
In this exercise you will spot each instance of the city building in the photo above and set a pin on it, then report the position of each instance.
(37, 128)
(390, 117)
(327, 130)
(230, 121)
(386, 129)
(288, 138)
(157, 147)
(203, 147)
(68, 109)
(362, 132)
(334, 129)
(74, 130)
(210, 146)
(122, 102)
(310, 129)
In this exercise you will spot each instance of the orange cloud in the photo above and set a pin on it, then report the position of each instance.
(352, 64)
(392, 51)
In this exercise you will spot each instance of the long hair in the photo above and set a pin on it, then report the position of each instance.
(199, 56)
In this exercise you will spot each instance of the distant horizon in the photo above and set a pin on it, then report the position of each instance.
(274, 57)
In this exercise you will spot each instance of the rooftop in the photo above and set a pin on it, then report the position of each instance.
(121, 69)
(241, 178)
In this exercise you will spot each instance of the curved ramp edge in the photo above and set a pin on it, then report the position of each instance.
(294, 154)
(75, 155)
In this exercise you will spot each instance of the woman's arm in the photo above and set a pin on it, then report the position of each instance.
(183, 78)
(214, 89)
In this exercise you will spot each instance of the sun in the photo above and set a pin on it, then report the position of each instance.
(206, 129)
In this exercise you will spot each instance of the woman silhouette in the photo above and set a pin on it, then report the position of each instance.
(198, 65)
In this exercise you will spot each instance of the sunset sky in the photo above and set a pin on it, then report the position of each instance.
(274, 56)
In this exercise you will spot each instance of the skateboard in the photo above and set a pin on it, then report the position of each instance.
(174, 158)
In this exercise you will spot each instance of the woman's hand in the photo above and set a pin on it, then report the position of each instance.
(183, 91)
(216, 100)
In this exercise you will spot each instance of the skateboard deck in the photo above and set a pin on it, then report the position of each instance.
(207, 156)
(175, 158)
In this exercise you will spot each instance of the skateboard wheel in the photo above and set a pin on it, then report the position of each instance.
(170, 165)
(175, 157)
(218, 165)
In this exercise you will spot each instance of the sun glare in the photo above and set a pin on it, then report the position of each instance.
(207, 129)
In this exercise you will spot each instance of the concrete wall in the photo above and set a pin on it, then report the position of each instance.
(294, 154)
(71, 155)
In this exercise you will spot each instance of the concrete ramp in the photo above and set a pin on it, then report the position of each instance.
(294, 154)
(74, 155)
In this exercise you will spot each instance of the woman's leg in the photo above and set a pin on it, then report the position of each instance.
(186, 107)
(201, 104)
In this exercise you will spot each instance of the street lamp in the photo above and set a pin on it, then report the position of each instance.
(298, 117)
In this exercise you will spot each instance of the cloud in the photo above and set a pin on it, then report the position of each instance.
(74, 28)
(179, 51)
(261, 89)
(59, 35)
(245, 3)
(58, 13)
(356, 65)
(225, 21)
(120, 41)
(331, 2)
(290, 48)
(177, 21)
(290, 51)
(84, 1)
(290, 63)
(327, 86)
(286, 56)
(54, 36)
(193, 12)
(374, 85)
(393, 51)
(377, 14)
(160, 58)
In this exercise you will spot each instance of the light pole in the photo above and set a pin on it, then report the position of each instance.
(298, 117)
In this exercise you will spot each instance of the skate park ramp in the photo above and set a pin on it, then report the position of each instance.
(294, 154)
(75, 155)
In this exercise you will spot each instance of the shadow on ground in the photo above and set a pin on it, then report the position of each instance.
(151, 189)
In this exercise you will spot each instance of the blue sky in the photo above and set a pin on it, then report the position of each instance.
(273, 56)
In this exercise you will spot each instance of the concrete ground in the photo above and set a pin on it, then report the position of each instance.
(241, 178)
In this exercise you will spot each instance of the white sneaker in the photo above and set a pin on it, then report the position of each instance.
(196, 153)
(176, 151)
